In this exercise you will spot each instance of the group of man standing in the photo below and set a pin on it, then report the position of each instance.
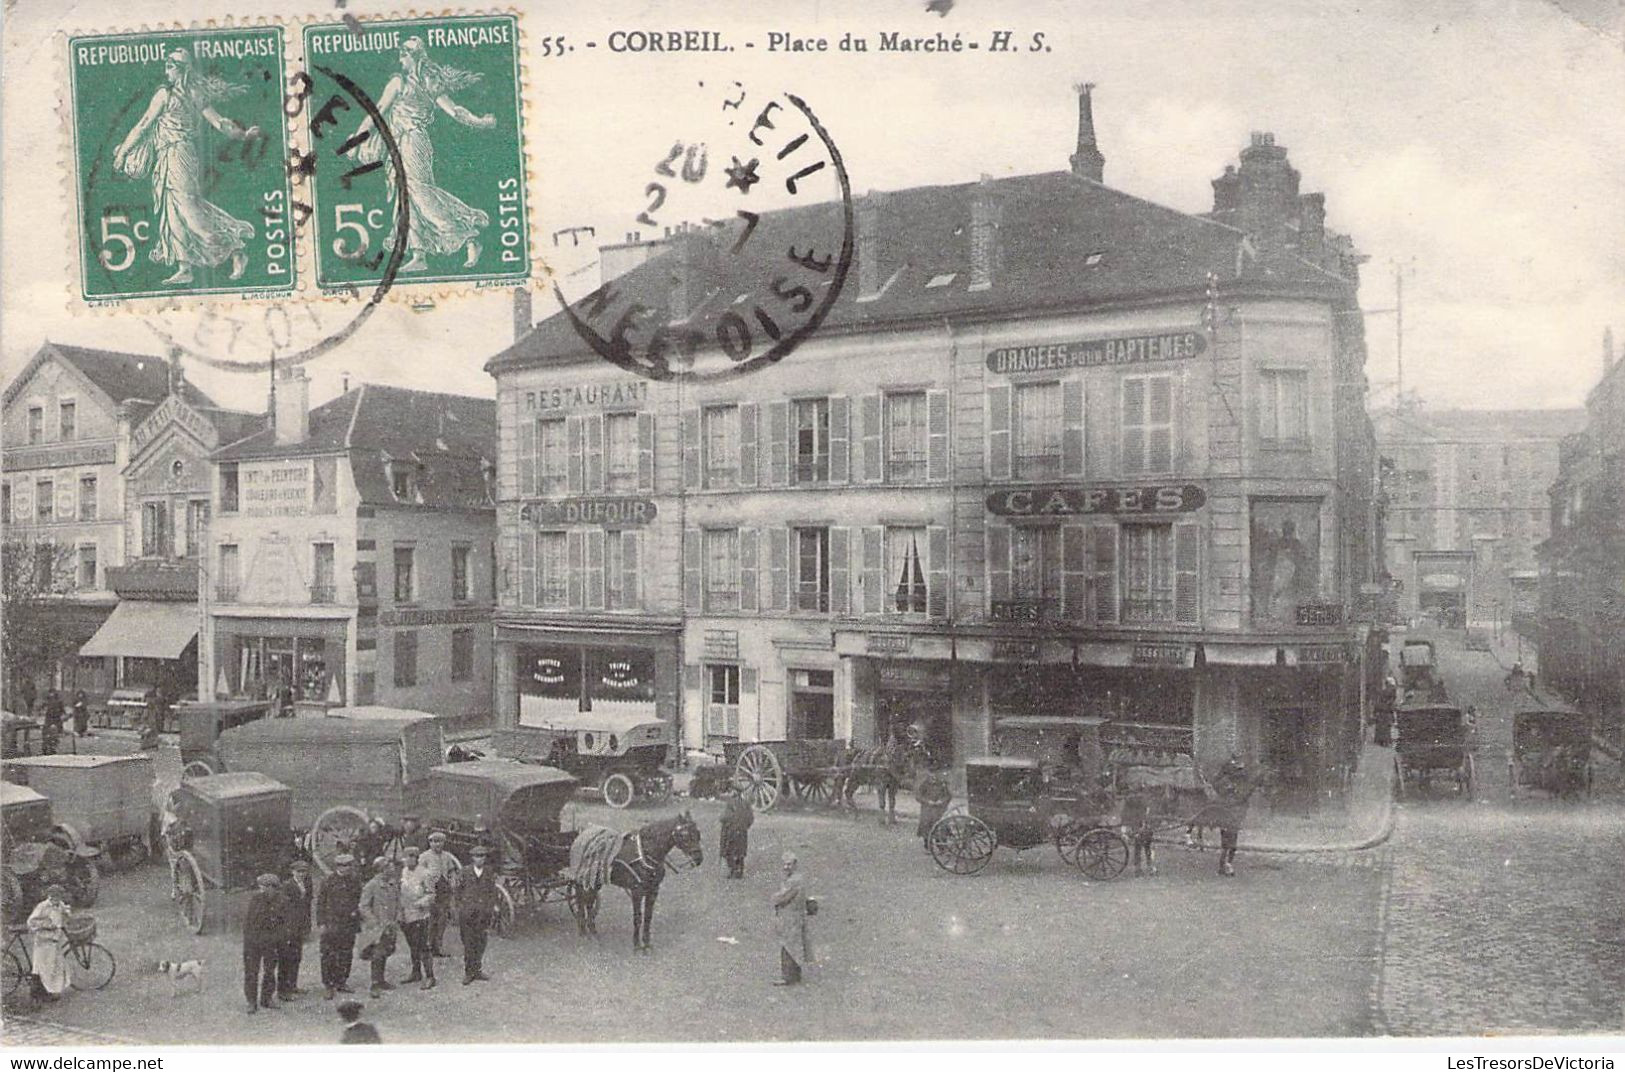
(411, 893)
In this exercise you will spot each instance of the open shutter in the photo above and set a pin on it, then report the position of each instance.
(998, 564)
(937, 572)
(1134, 424)
(692, 557)
(593, 432)
(1103, 571)
(874, 569)
(840, 435)
(1187, 572)
(1075, 572)
(595, 569)
(1072, 428)
(778, 567)
(778, 443)
(527, 456)
(748, 429)
(527, 568)
(575, 478)
(748, 699)
(646, 451)
(840, 571)
(998, 433)
(691, 449)
(575, 557)
(874, 468)
(629, 571)
(749, 571)
(1159, 435)
(936, 428)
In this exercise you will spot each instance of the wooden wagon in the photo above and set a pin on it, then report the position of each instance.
(221, 832)
(806, 770)
(1433, 741)
(202, 723)
(97, 801)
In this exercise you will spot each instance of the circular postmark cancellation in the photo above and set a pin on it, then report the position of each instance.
(341, 117)
(745, 277)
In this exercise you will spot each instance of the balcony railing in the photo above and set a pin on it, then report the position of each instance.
(322, 593)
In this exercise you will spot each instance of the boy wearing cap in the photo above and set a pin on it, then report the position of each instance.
(265, 933)
(476, 908)
(338, 917)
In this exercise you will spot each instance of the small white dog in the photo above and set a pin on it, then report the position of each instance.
(181, 970)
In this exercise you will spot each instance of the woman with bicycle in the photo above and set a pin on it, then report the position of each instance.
(48, 925)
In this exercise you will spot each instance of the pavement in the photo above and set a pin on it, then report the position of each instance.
(27, 1031)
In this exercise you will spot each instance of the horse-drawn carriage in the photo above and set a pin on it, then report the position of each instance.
(202, 723)
(1433, 741)
(1551, 752)
(812, 771)
(221, 831)
(1418, 668)
(35, 857)
(621, 755)
(101, 802)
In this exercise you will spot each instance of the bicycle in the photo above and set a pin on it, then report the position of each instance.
(90, 964)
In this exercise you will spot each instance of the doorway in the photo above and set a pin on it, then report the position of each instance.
(812, 705)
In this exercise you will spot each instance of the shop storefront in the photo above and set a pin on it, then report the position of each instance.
(552, 677)
(258, 658)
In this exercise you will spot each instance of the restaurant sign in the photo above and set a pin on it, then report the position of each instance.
(1071, 501)
(1090, 353)
(611, 513)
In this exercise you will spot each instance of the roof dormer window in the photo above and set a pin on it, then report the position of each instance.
(403, 480)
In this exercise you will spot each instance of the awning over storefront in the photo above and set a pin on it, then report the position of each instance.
(1240, 654)
(144, 630)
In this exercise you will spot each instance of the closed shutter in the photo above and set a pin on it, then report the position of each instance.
(998, 433)
(1134, 424)
(749, 571)
(937, 571)
(593, 432)
(840, 571)
(575, 558)
(840, 434)
(692, 574)
(1072, 428)
(998, 564)
(936, 427)
(646, 452)
(874, 468)
(691, 449)
(595, 569)
(1159, 438)
(778, 567)
(748, 699)
(1103, 571)
(874, 569)
(630, 594)
(1075, 572)
(748, 428)
(575, 478)
(1187, 572)
(527, 568)
(527, 456)
(778, 443)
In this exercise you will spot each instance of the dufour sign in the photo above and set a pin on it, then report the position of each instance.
(609, 512)
(1071, 501)
(1091, 353)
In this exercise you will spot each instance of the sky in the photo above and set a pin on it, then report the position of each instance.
(1479, 148)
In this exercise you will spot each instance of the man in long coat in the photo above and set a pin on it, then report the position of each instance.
(790, 923)
(476, 909)
(300, 893)
(265, 933)
(737, 817)
(380, 909)
(338, 918)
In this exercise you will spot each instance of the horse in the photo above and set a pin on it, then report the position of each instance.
(875, 767)
(635, 862)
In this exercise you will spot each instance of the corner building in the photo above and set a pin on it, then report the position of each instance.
(1055, 450)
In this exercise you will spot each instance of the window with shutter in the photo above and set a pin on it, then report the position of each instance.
(869, 419)
(1036, 428)
(1187, 573)
(907, 440)
(1074, 572)
(1072, 439)
(552, 458)
(721, 448)
(811, 416)
(874, 570)
(595, 569)
(1147, 573)
(575, 554)
(840, 435)
(812, 569)
(749, 445)
(621, 452)
(721, 569)
(552, 570)
(691, 449)
(840, 571)
(722, 700)
(1148, 424)
(749, 571)
(1103, 571)
(998, 433)
(938, 583)
(1283, 417)
(646, 452)
(905, 570)
(778, 567)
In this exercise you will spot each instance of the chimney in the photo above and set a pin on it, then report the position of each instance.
(1269, 187)
(1227, 195)
(870, 277)
(344, 380)
(1087, 162)
(984, 235)
(1312, 226)
(523, 319)
(291, 410)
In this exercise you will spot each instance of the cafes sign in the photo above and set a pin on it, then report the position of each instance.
(613, 513)
(1091, 353)
(1159, 655)
(1072, 501)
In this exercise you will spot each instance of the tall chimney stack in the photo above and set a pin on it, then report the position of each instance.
(1087, 162)
(292, 408)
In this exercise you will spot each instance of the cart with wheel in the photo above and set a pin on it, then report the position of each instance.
(808, 771)
(622, 755)
(1433, 742)
(1551, 753)
(1016, 804)
(202, 723)
(101, 802)
(221, 831)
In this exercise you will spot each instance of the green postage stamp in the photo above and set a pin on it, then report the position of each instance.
(417, 161)
(180, 154)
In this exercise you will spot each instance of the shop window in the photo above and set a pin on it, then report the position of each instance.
(87, 498)
(462, 654)
(621, 446)
(812, 569)
(67, 420)
(721, 430)
(405, 588)
(155, 530)
(406, 658)
(322, 589)
(907, 441)
(811, 440)
(721, 569)
(226, 588)
(1036, 424)
(722, 700)
(87, 566)
(228, 488)
(459, 574)
(1148, 424)
(553, 570)
(44, 500)
(36, 423)
(905, 570)
(1283, 416)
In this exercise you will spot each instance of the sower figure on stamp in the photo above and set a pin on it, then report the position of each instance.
(737, 818)
(338, 915)
(440, 223)
(190, 232)
(265, 932)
